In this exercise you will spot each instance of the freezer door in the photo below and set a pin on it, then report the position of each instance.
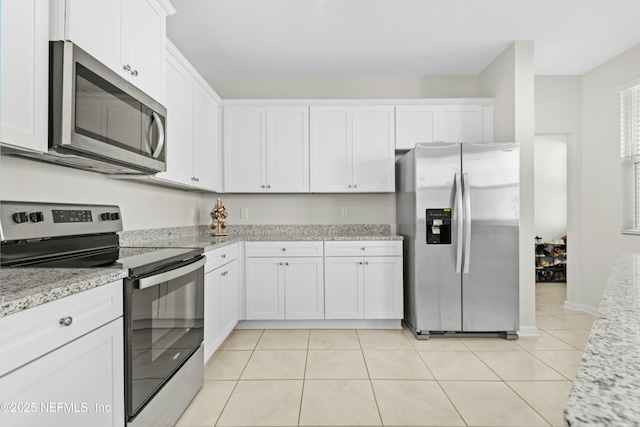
(490, 297)
(437, 284)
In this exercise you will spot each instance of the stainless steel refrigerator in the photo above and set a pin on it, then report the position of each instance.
(457, 206)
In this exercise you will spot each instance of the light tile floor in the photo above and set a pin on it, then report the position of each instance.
(383, 377)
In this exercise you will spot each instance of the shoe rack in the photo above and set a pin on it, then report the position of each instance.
(551, 262)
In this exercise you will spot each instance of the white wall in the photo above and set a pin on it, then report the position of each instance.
(550, 172)
(510, 79)
(309, 208)
(344, 87)
(144, 206)
(601, 175)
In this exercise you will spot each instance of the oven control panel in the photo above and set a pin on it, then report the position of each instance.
(31, 220)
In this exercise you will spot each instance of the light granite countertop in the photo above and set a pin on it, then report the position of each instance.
(606, 390)
(23, 288)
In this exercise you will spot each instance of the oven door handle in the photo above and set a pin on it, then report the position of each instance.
(169, 275)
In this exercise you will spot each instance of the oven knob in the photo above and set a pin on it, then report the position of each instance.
(20, 217)
(36, 217)
(105, 216)
(115, 216)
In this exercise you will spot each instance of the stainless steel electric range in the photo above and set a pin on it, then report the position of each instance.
(163, 297)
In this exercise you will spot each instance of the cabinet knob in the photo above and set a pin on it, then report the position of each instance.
(355, 185)
(284, 249)
(224, 255)
(262, 186)
(360, 263)
(366, 263)
(268, 186)
(349, 186)
(134, 73)
(280, 263)
(363, 248)
(66, 321)
(127, 67)
(286, 263)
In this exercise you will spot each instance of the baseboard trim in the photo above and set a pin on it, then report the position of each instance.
(580, 307)
(528, 331)
(321, 324)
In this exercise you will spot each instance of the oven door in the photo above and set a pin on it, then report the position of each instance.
(164, 319)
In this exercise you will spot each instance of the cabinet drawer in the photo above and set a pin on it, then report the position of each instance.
(219, 257)
(31, 333)
(283, 249)
(364, 248)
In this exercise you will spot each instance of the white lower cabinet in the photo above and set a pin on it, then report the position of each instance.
(69, 375)
(279, 287)
(221, 293)
(363, 287)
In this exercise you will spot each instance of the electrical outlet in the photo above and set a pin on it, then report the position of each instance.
(244, 212)
(345, 212)
(124, 212)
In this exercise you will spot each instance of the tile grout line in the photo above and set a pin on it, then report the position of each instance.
(237, 381)
(304, 378)
(366, 366)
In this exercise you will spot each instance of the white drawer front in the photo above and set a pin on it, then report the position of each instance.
(283, 249)
(363, 248)
(220, 257)
(29, 334)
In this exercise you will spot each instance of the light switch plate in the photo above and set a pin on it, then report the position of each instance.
(345, 212)
(244, 212)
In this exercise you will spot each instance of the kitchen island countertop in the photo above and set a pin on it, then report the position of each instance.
(606, 390)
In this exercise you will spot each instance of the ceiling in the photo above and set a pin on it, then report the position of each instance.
(412, 37)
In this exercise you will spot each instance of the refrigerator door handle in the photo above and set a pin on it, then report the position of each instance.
(457, 209)
(467, 221)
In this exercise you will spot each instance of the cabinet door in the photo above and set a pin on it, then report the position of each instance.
(304, 288)
(212, 328)
(142, 45)
(228, 297)
(179, 124)
(460, 123)
(205, 140)
(373, 149)
(415, 123)
(245, 149)
(383, 297)
(86, 375)
(265, 288)
(24, 73)
(288, 149)
(331, 154)
(343, 288)
(96, 26)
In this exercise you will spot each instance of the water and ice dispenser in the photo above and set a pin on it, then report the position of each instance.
(439, 226)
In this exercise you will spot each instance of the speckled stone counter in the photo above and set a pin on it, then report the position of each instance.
(606, 390)
(23, 288)
(199, 236)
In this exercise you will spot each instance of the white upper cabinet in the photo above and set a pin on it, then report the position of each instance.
(288, 149)
(373, 149)
(266, 149)
(24, 63)
(128, 36)
(352, 149)
(468, 122)
(179, 105)
(192, 128)
(245, 144)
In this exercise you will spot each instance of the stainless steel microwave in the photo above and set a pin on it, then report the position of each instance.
(99, 121)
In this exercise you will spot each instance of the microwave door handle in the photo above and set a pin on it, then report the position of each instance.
(160, 127)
